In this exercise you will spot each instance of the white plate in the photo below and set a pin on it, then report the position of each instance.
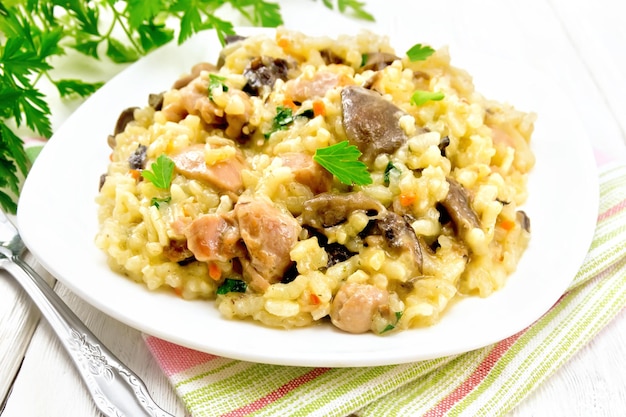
(58, 221)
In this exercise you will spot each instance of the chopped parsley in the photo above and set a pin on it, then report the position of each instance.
(162, 172)
(342, 160)
(390, 166)
(216, 81)
(156, 202)
(390, 327)
(419, 52)
(232, 285)
(285, 117)
(420, 97)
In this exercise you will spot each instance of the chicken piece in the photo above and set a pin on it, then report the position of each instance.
(308, 172)
(224, 175)
(214, 237)
(269, 234)
(355, 305)
(302, 89)
(193, 99)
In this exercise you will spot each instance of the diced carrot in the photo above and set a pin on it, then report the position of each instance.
(111, 157)
(319, 108)
(178, 291)
(215, 272)
(287, 102)
(314, 299)
(283, 43)
(135, 174)
(406, 199)
(507, 224)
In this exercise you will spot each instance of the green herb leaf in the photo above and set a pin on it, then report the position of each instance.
(390, 327)
(156, 202)
(33, 33)
(357, 9)
(419, 52)
(390, 166)
(70, 87)
(162, 172)
(342, 160)
(232, 285)
(420, 97)
(215, 81)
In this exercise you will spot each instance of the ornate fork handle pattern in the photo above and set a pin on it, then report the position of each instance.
(116, 390)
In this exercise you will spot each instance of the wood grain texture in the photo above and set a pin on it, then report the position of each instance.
(579, 43)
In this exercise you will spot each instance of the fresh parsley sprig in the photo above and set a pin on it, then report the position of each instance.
(419, 52)
(161, 174)
(37, 35)
(342, 160)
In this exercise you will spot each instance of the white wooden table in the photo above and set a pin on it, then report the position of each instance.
(581, 43)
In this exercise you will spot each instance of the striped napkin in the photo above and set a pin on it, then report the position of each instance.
(488, 381)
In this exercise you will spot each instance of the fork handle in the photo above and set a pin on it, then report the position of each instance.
(116, 390)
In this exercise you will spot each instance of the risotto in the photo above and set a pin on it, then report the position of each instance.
(302, 180)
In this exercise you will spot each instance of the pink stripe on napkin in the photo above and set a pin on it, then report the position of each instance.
(276, 394)
(174, 358)
(475, 378)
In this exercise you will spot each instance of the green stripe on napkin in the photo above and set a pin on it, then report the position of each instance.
(488, 381)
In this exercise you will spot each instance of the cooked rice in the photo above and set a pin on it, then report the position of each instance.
(488, 154)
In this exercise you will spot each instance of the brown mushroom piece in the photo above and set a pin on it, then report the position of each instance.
(457, 206)
(329, 209)
(398, 234)
(126, 116)
(371, 123)
(354, 306)
(523, 220)
(376, 61)
(263, 72)
(195, 72)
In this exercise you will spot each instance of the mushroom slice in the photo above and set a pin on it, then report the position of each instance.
(376, 61)
(371, 123)
(457, 206)
(398, 234)
(330, 209)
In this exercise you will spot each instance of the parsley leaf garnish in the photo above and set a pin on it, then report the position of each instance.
(162, 172)
(36, 35)
(420, 97)
(342, 160)
(232, 285)
(419, 52)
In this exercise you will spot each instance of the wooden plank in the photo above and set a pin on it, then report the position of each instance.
(48, 385)
(18, 320)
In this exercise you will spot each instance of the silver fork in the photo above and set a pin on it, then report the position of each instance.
(116, 390)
